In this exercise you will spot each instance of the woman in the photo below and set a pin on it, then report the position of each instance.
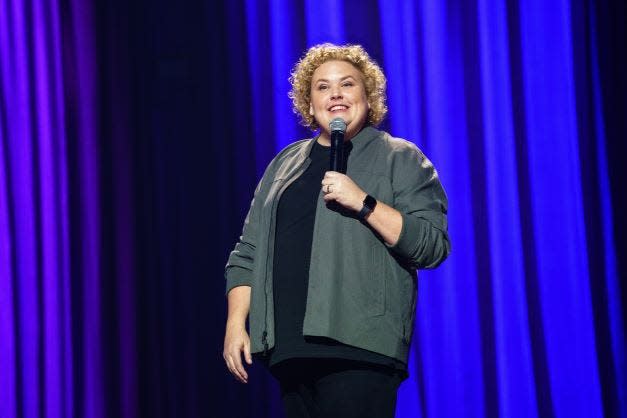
(325, 269)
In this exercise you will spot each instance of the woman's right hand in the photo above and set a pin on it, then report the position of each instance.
(236, 342)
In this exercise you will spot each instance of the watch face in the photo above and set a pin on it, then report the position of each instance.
(370, 201)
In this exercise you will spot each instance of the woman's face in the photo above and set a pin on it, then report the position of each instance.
(338, 91)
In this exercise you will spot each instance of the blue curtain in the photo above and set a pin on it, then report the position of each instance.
(132, 135)
(504, 97)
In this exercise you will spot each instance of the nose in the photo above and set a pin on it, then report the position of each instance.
(336, 92)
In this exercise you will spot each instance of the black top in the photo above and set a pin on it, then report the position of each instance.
(292, 254)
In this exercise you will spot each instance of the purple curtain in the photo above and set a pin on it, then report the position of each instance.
(52, 338)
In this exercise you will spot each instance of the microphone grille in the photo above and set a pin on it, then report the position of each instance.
(337, 124)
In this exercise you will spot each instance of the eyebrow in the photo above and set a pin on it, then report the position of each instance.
(341, 79)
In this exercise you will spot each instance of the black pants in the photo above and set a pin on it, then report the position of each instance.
(329, 388)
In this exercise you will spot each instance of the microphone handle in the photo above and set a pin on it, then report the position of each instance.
(337, 152)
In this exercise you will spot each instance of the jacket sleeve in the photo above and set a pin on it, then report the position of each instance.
(422, 202)
(239, 267)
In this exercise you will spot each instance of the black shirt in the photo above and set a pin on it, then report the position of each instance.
(294, 233)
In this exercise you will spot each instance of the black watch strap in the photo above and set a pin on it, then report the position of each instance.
(369, 205)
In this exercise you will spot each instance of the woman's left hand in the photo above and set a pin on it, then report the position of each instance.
(340, 188)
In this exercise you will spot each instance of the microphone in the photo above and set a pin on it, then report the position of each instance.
(338, 129)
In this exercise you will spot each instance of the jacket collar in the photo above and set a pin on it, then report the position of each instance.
(364, 138)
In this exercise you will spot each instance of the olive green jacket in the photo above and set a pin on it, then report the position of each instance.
(361, 291)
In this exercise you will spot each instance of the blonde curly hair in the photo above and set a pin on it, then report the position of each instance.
(302, 73)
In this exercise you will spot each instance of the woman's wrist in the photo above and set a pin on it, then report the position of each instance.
(236, 321)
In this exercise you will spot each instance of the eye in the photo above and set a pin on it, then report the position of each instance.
(322, 87)
(347, 84)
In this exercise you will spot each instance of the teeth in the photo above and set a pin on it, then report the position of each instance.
(338, 107)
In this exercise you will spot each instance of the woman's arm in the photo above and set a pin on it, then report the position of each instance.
(387, 221)
(416, 227)
(236, 339)
(384, 219)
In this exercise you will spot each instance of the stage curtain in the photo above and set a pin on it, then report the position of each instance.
(132, 135)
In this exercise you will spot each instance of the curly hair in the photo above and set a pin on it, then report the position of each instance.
(302, 73)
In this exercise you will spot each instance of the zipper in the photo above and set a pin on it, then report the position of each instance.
(264, 339)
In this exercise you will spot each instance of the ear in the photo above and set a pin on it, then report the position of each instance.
(311, 112)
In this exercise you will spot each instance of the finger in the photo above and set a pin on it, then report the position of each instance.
(233, 369)
(236, 370)
(237, 360)
(227, 360)
(229, 365)
(249, 358)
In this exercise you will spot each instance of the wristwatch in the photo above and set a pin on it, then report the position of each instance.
(369, 205)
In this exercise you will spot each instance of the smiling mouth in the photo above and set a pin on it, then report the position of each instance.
(337, 108)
